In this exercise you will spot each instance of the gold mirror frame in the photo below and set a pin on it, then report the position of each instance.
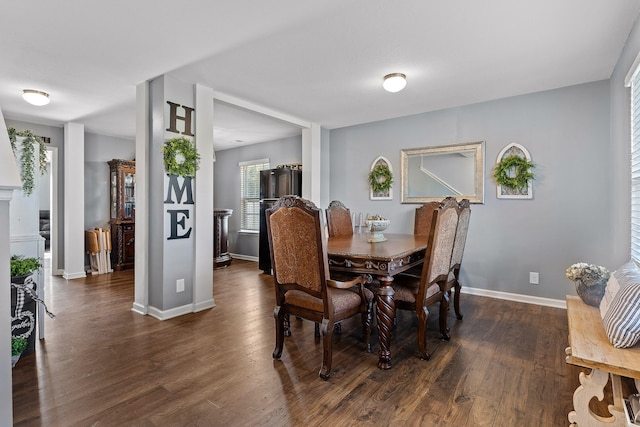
(463, 163)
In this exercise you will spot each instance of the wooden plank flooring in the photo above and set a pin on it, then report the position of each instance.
(101, 364)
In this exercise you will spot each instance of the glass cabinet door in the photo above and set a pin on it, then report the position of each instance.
(114, 195)
(129, 195)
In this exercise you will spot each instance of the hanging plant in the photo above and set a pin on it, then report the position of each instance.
(380, 178)
(180, 157)
(514, 172)
(27, 172)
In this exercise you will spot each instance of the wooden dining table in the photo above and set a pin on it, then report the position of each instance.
(354, 254)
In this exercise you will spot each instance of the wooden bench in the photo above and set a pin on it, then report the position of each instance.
(589, 347)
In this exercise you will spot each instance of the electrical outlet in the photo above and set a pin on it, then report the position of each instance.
(180, 285)
(534, 278)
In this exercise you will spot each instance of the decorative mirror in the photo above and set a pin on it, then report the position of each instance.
(433, 173)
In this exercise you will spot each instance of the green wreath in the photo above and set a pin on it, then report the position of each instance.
(380, 178)
(180, 157)
(522, 172)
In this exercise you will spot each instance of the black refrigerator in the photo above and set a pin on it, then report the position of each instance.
(274, 183)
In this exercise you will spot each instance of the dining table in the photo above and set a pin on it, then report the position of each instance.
(385, 259)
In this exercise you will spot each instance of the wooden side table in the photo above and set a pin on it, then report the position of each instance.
(221, 256)
(589, 347)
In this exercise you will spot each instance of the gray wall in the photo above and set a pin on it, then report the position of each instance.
(227, 183)
(568, 220)
(56, 134)
(98, 150)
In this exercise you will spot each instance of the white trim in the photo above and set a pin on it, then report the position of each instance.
(204, 305)
(244, 257)
(527, 299)
(632, 71)
(171, 313)
(241, 103)
(139, 308)
(254, 162)
(71, 276)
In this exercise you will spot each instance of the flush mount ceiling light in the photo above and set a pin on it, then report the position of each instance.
(394, 82)
(35, 97)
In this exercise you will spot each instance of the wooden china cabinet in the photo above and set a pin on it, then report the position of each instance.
(122, 180)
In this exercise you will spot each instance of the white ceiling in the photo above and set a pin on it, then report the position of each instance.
(320, 61)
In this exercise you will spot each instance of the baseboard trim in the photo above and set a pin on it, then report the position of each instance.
(245, 257)
(204, 305)
(171, 313)
(139, 308)
(71, 276)
(528, 299)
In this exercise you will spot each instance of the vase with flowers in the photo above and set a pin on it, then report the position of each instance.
(590, 280)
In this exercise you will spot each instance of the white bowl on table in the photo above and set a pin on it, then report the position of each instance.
(376, 227)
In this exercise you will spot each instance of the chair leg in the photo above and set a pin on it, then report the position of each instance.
(456, 300)
(279, 315)
(444, 310)
(327, 350)
(423, 315)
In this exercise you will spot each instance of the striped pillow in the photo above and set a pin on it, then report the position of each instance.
(622, 320)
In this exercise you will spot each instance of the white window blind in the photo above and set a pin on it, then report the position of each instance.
(635, 165)
(250, 193)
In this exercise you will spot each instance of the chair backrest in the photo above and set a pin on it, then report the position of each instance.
(296, 241)
(424, 218)
(339, 220)
(464, 214)
(441, 240)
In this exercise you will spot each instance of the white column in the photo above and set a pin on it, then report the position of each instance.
(203, 280)
(141, 291)
(9, 180)
(73, 201)
(311, 162)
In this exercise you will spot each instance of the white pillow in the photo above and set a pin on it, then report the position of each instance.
(622, 321)
(610, 292)
(620, 306)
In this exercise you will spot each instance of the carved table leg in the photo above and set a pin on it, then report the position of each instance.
(385, 314)
(592, 385)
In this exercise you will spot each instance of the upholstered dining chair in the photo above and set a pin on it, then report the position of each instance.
(301, 277)
(422, 223)
(339, 219)
(453, 280)
(418, 293)
(423, 217)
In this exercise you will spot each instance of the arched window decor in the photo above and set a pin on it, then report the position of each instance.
(381, 179)
(513, 173)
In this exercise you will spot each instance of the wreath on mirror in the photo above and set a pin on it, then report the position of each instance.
(180, 157)
(514, 172)
(380, 178)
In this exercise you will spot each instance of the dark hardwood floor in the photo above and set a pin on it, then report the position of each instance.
(101, 364)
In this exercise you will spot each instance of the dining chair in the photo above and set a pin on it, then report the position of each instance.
(418, 293)
(453, 279)
(423, 217)
(339, 220)
(422, 223)
(301, 277)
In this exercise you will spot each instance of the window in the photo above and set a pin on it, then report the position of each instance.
(250, 193)
(635, 164)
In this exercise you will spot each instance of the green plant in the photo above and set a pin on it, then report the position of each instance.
(180, 157)
(514, 172)
(21, 266)
(380, 178)
(18, 345)
(27, 172)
